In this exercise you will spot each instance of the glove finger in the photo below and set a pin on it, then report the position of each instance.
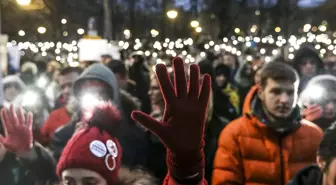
(166, 86)
(5, 121)
(21, 117)
(12, 116)
(147, 121)
(205, 91)
(179, 78)
(194, 81)
(2, 139)
(29, 120)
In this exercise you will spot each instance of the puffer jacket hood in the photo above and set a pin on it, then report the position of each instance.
(311, 175)
(101, 73)
(14, 79)
(307, 52)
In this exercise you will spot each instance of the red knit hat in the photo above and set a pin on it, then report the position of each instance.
(94, 148)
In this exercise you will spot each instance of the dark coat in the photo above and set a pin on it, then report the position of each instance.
(17, 171)
(310, 175)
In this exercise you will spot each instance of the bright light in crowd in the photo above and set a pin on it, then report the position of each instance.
(42, 30)
(237, 30)
(249, 58)
(248, 44)
(291, 56)
(198, 29)
(21, 33)
(275, 52)
(277, 29)
(172, 14)
(194, 24)
(64, 21)
(202, 54)
(316, 92)
(254, 28)
(306, 27)
(127, 32)
(80, 31)
(42, 82)
(154, 33)
(318, 46)
(89, 100)
(267, 59)
(323, 28)
(262, 51)
(29, 98)
(23, 2)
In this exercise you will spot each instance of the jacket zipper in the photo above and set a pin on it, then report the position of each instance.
(281, 163)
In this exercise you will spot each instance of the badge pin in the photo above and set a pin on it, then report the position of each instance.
(98, 148)
(112, 148)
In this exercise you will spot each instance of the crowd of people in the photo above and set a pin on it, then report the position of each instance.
(220, 121)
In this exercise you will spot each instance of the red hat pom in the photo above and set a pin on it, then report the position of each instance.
(105, 116)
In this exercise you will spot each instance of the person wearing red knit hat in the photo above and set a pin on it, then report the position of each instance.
(93, 154)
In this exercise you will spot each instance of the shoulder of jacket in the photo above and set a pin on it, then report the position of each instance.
(235, 126)
(305, 124)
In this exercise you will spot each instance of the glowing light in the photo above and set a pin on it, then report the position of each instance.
(29, 98)
(127, 32)
(306, 27)
(21, 33)
(194, 24)
(237, 30)
(80, 31)
(249, 58)
(198, 29)
(42, 30)
(172, 14)
(277, 29)
(262, 51)
(24, 2)
(291, 56)
(322, 28)
(64, 21)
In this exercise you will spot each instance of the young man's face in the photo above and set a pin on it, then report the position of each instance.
(279, 98)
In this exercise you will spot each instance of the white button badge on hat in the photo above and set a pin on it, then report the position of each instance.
(113, 152)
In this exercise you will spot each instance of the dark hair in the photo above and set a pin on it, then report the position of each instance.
(278, 71)
(117, 67)
(327, 149)
(68, 70)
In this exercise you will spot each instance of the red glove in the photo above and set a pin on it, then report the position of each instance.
(182, 127)
(18, 130)
(312, 112)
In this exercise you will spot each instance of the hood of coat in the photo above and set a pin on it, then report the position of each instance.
(307, 52)
(311, 175)
(101, 73)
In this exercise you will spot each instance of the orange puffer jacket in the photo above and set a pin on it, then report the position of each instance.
(251, 153)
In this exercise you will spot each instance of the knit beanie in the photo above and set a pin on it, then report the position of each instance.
(95, 148)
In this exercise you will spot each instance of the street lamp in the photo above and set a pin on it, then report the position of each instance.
(23, 2)
(194, 24)
(41, 30)
(172, 14)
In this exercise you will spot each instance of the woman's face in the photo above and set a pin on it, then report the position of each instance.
(11, 92)
(78, 176)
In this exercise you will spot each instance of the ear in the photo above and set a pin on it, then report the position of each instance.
(320, 162)
(261, 93)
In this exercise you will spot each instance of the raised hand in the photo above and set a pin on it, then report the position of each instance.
(312, 112)
(182, 127)
(18, 130)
